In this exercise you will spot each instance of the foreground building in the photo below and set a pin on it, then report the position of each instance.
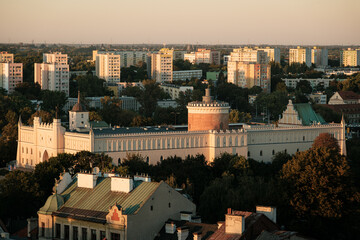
(92, 206)
(53, 73)
(208, 133)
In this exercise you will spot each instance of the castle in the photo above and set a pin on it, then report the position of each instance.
(208, 133)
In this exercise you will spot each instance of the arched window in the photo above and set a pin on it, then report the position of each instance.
(297, 150)
(161, 158)
(273, 152)
(303, 138)
(248, 153)
(147, 160)
(119, 161)
(285, 151)
(261, 153)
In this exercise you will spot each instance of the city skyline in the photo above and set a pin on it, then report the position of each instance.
(188, 22)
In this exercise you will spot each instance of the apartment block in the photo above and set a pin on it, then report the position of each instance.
(190, 57)
(249, 55)
(350, 57)
(11, 74)
(107, 67)
(6, 57)
(248, 75)
(56, 57)
(174, 90)
(300, 55)
(203, 55)
(319, 57)
(292, 82)
(186, 75)
(178, 54)
(127, 58)
(162, 65)
(272, 53)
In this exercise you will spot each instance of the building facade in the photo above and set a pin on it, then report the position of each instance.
(41, 141)
(11, 74)
(292, 82)
(6, 57)
(272, 53)
(92, 206)
(190, 57)
(203, 55)
(127, 58)
(319, 57)
(174, 90)
(300, 55)
(162, 65)
(107, 67)
(249, 55)
(186, 75)
(248, 75)
(350, 57)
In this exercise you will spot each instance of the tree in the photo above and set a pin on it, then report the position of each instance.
(52, 100)
(90, 86)
(136, 164)
(327, 141)
(234, 116)
(94, 116)
(318, 183)
(304, 86)
(30, 90)
(328, 114)
(45, 116)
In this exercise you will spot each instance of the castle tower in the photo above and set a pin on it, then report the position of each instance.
(208, 114)
(78, 116)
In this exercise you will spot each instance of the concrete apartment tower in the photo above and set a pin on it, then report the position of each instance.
(107, 67)
(208, 114)
(11, 73)
(162, 65)
(300, 55)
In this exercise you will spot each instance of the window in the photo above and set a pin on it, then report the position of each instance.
(102, 235)
(57, 230)
(260, 153)
(42, 233)
(169, 205)
(115, 236)
(75, 233)
(93, 234)
(151, 208)
(248, 153)
(297, 150)
(84, 233)
(66, 232)
(273, 152)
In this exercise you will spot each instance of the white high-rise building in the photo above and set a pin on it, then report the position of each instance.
(300, 55)
(107, 67)
(249, 55)
(53, 73)
(190, 57)
(319, 57)
(350, 57)
(162, 65)
(11, 74)
(203, 55)
(127, 58)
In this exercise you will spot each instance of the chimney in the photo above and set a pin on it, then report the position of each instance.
(144, 178)
(186, 216)
(170, 227)
(122, 184)
(182, 232)
(268, 211)
(197, 235)
(87, 180)
(65, 180)
(234, 224)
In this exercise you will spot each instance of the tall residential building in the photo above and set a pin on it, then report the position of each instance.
(203, 55)
(162, 65)
(273, 54)
(319, 57)
(6, 57)
(11, 74)
(127, 58)
(107, 66)
(247, 75)
(249, 55)
(53, 73)
(178, 54)
(300, 55)
(350, 57)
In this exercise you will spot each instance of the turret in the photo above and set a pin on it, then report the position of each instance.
(78, 116)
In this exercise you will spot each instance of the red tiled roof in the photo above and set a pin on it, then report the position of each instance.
(347, 95)
(345, 108)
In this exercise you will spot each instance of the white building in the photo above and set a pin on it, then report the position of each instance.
(319, 57)
(208, 134)
(11, 74)
(127, 58)
(184, 75)
(167, 103)
(162, 65)
(249, 55)
(272, 53)
(190, 57)
(203, 55)
(174, 90)
(53, 73)
(319, 98)
(292, 82)
(300, 55)
(107, 67)
(350, 57)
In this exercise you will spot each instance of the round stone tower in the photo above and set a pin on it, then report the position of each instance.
(208, 114)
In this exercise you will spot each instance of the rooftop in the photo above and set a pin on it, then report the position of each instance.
(307, 114)
(348, 95)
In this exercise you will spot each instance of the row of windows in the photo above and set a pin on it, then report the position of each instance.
(273, 152)
(76, 233)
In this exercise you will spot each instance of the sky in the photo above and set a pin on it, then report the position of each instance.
(273, 22)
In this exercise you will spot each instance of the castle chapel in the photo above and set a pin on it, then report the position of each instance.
(208, 133)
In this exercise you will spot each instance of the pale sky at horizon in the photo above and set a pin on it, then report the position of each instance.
(283, 22)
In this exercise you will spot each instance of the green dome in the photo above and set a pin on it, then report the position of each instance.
(53, 203)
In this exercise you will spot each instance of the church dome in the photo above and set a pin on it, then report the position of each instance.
(78, 107)
(53, 203)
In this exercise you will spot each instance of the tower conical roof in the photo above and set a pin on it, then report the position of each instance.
(78, 107)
